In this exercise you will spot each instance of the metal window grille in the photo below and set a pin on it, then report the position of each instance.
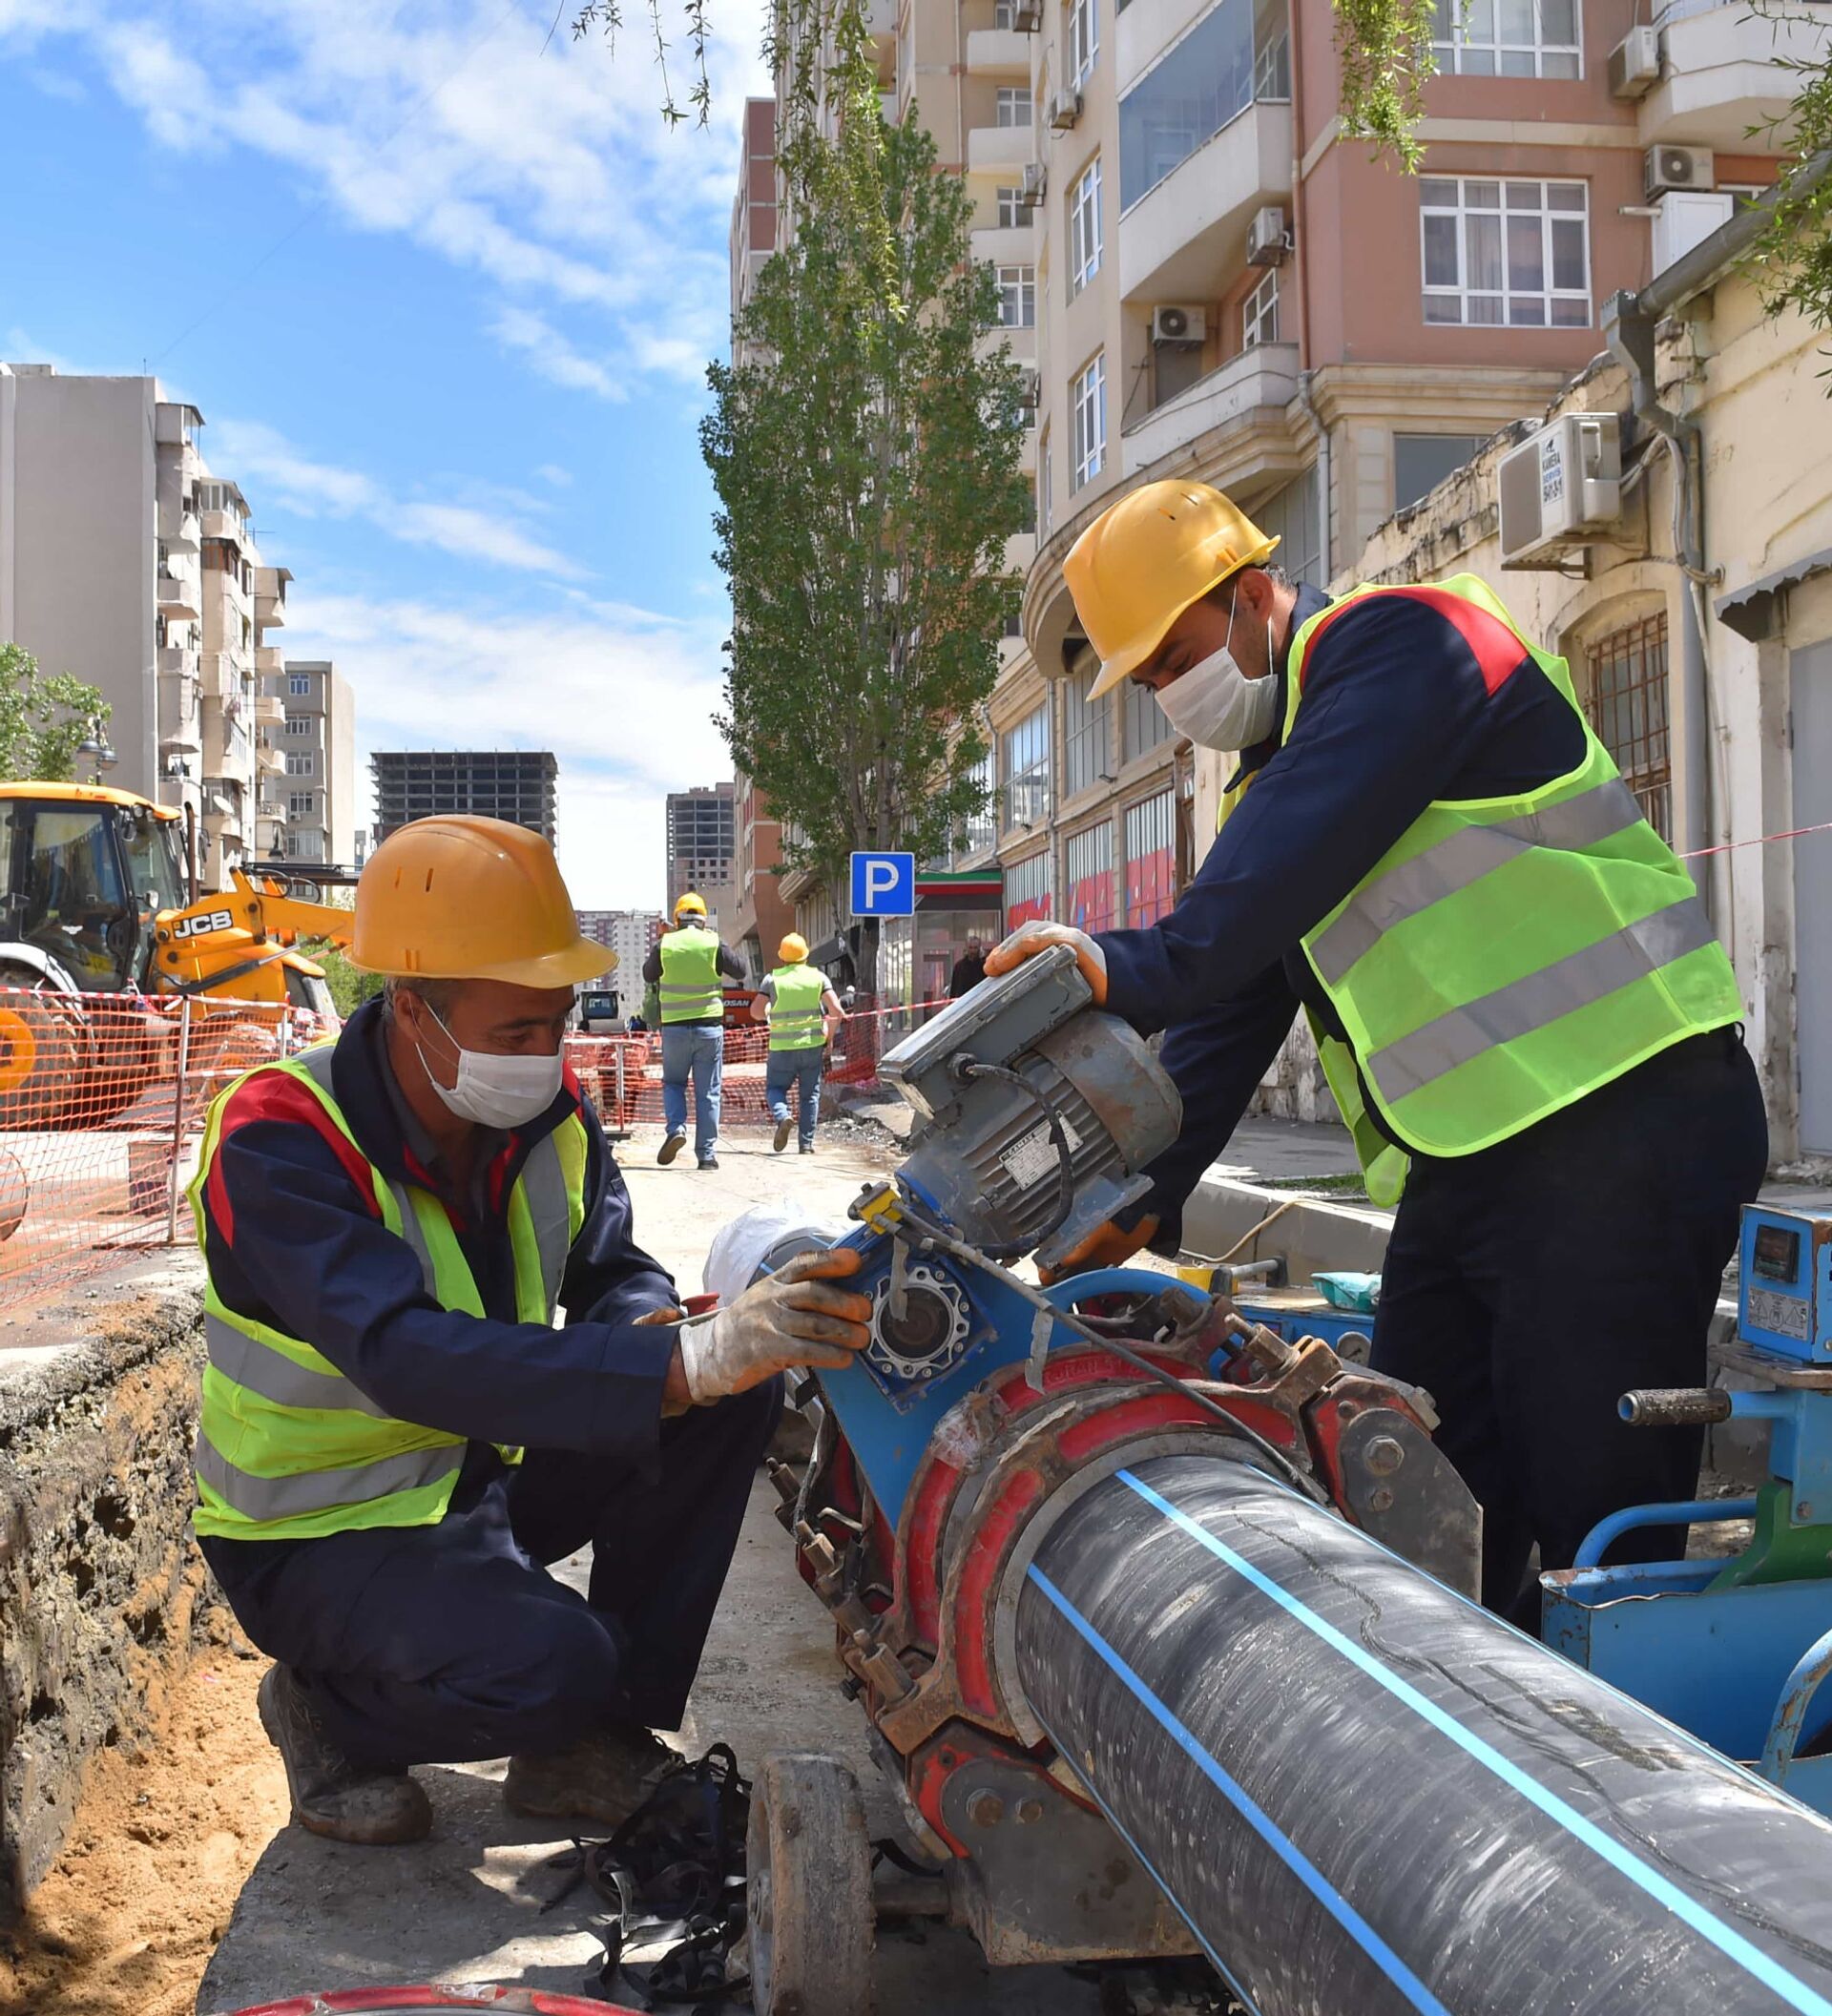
(1151, 859)
(1084, 736)
(1628, 708)
(1088, 876)
(1146, 725)
(1026, 889)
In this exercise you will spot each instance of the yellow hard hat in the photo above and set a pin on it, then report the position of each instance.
(690, 902)
(1146, 559)
(793, 950)
(469, 899)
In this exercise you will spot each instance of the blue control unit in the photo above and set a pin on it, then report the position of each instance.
(1784, 1301)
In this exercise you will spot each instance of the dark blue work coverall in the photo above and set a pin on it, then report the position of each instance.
(451, 1642)
(1530, 1285)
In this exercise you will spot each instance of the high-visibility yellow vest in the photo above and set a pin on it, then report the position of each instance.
(796, 1018)
(690, 984)
(1506, 956)
(290, 1450)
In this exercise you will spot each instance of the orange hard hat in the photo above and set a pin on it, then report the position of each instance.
(690, 904)
(1147, 559)
(469, 899)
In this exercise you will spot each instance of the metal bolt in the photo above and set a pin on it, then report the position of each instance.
(1347, 1410)
(1380, 1500)
(1805, 1510)
(985, 1809)
(1384, 1456)
(1030, 1812)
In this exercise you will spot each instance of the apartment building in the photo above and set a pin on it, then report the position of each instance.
(126, 562)
(628, 935)
(513, 784)
(702, 848)
(316, 740)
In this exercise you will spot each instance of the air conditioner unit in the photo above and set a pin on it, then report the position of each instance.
(1268, 239)
(1065, 108)
(1686, 218)
(1173, 323)
(1027, 16)
(1634, 63)
(1031, 189)
(1559, 488)
(1665, 168)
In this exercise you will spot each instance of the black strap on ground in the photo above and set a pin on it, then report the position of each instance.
(672, 1879)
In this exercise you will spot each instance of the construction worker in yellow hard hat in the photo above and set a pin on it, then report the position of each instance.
(1521, 1009)
(689, 965)
(394, 1432)
(802, 1011)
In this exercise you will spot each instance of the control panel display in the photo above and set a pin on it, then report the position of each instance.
(1775, 1253)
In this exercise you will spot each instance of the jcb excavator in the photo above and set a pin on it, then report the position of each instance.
(99, 897)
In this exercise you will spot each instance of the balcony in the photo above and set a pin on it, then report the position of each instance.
(998, 52)
(178, 599)
(1724, 72)
(270, 661)
(226, 525)
(1000, 150)
(1238, 407)
(1005, 244)
(179, 529)
(272, 761)
(1187, 240)
(270, 709)
(176, 659)
(270, 597)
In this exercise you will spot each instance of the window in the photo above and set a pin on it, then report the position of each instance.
(1199, 86)
(1013, 626)
(300, 685)
(1513, 252)
(1508, 38)
(1027, 890)
(1084, 38)
(299, 724)
(1087, 421)
(1421, 461)
(1024, 756)
(300, 765)
(300, 804)
(1084, 736)
(1012, 215)
(1151, 859)
(1084, 228)
(1290, 516)
(1628, 708)
(1017, 298)
(1146, 726)
(1004, 13)
(1014, 105)
(1260, 313)
(1088, 878)
(979, 835)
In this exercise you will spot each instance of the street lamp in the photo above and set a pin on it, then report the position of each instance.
(96, 747)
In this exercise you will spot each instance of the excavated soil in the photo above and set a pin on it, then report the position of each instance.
(163, 1840)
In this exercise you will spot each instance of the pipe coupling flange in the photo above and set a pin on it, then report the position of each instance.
(929, 1335)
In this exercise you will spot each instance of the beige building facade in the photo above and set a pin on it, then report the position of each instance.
(316, 738)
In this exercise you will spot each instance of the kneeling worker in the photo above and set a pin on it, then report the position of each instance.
(802, 1011)
(1514, 988)
(394, 1434)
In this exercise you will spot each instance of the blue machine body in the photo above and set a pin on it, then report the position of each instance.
(1735, 1661)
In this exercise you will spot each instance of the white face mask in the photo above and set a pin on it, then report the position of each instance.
(495, 1091)
(1217, 705)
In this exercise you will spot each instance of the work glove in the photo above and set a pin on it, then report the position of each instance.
(791, 1317)
(1111, 1244)
(1036, 936)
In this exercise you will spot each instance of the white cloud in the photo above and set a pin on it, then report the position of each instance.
(624, 696)
(259, 457)
(551, 473)
(552, 356)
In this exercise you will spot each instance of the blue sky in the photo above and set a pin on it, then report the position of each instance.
(443, 296)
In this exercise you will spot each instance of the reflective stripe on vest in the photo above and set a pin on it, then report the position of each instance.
(290, 1448)
(690, 988)
(797, 1021)
(1507, 956)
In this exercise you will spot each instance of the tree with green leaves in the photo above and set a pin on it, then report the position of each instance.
(864, 447)
(45, 717)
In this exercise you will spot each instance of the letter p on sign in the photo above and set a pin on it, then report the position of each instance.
(883, 885)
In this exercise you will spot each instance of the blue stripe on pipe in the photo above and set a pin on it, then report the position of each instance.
(1728, 1941)
(1332, 1901)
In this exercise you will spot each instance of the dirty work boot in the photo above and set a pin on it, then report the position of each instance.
(602, 1778)
(709, 1161)
(808, 1148)
(671, 1148)
(783, 1127)
(372, 1809)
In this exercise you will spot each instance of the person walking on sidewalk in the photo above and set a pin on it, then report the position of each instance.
(1520, 1003)
(689, 965)
(804, 1011)
(969, 970)
(394, 1436)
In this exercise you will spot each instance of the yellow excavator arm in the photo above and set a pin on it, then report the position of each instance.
(241, 941)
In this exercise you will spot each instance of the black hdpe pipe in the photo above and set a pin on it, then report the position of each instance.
(1366, 1796)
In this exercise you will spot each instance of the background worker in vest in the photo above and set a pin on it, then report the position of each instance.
(394, 1435)
(689, 965)
(1513, 984)
(802, 1011)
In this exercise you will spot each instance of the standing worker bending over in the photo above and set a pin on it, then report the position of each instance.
(802, 1011)
(394, 1432)
(1522, 1008)
(689, 965)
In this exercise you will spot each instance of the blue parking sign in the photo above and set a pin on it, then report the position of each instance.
(883, 885)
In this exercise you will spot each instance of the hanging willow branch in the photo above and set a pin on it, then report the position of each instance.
(1385, 47)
